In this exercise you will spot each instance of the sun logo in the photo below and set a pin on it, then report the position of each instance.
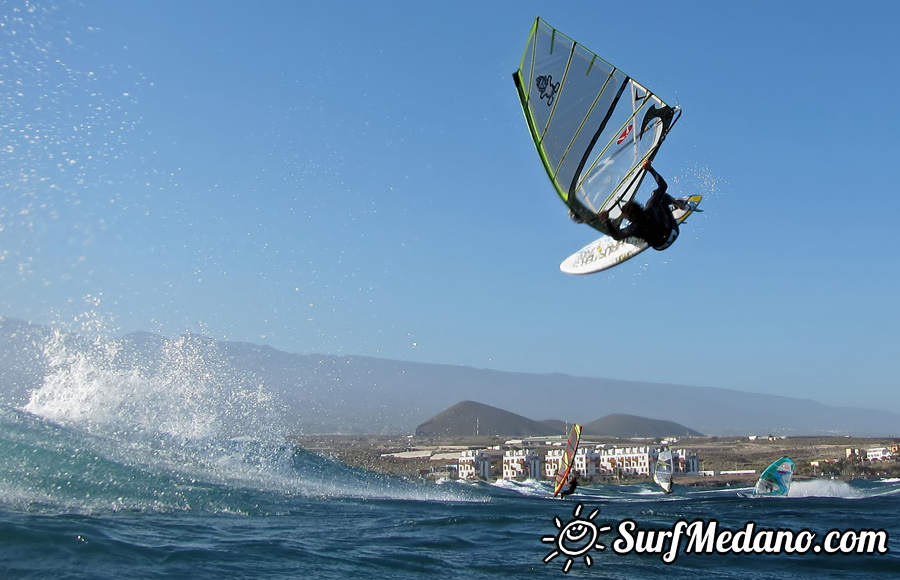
(576, 538)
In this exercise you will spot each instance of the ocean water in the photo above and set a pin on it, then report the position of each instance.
(115, 470)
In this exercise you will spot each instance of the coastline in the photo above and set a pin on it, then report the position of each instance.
(424, 457)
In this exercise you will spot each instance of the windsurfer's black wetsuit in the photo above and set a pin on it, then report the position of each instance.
(655, 223)
(572, 485)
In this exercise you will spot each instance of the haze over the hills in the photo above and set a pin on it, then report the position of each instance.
(349, 394)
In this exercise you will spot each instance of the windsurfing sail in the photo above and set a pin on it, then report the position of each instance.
(592, 124)
(662, 472)
(568, 458)
(776, 478)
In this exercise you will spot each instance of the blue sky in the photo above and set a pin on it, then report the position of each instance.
(357, 178)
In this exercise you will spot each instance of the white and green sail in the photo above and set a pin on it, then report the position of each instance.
(592, 124)
(663, 470)
(775, 479)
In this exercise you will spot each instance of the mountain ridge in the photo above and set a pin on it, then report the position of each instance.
(472, 418)
(358, 394)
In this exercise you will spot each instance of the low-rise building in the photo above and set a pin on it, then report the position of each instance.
(583, 463)
(853, 453)
(879, 454)
(474, 464)
(552, 461)
(625, 460)
(521, 464)
(588, 462)
(686, 460)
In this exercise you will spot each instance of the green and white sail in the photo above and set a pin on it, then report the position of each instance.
(663, 470)
(776, 478)
(592, 124)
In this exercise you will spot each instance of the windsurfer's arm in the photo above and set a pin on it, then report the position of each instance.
(660, 182)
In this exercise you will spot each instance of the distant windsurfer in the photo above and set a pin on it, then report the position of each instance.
(654, 222)
(573, 483)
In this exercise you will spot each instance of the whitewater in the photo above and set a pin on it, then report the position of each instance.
(170, 464)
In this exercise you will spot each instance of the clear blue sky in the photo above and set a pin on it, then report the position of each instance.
(357, 178)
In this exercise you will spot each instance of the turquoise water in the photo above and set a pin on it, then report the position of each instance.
(116, 467)
(77, 504)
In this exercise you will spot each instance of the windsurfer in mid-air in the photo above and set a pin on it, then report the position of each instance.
(573, 483)
(654, 222)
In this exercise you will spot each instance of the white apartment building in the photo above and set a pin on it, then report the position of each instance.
(475, 463)
(589, 461)
(686, 461)
(612, 460)
(879, 454)
(521, 464)
(552, 460)
(583, 463)
(625, 460)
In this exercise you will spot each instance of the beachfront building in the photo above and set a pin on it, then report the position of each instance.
(879, 454)
(612, 460)
(853, 453)
(686, 461)
(585, 462)
(552, 460)
(521, 464)
(626, 460)
(474, 464)
(588, 462)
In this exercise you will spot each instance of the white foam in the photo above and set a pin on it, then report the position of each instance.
(188, 392)
(185, 411)
(531, 487)
(823, 488)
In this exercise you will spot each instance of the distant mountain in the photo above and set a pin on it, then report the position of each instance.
(352, 394)
(471, 418)
(557, 425)
(625, 426)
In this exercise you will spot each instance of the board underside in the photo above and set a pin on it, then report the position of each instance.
(606, 252)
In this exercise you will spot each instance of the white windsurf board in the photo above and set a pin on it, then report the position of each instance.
(607, 252)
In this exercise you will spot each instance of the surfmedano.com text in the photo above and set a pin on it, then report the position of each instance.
(706, 537)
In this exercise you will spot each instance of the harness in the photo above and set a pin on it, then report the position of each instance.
(673, 235)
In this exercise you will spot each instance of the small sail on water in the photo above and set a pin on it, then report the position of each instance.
(592, 124)
(775, 480)
(568, 458)
(662, 472)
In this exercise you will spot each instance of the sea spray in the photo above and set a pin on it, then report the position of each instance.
(824, 488)
(159, 424)
(701, 179)
(179, 387)
(173, 409)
